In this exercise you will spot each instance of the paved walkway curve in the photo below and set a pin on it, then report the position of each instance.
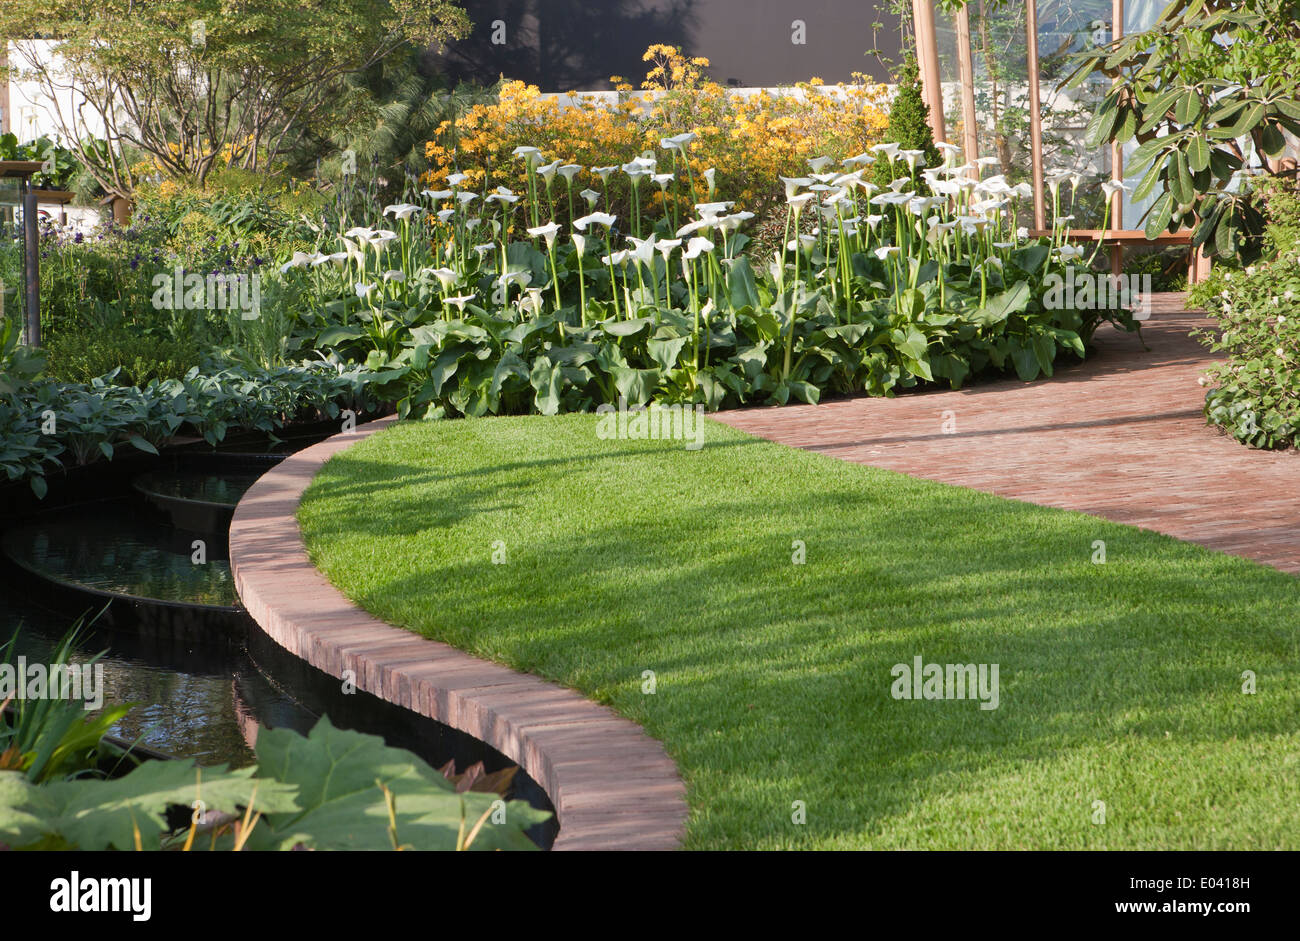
(1120, 436)
(612, 785)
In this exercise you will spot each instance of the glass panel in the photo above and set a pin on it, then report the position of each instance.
(1001, 88)
(11, 247)
(1000, 62)
(1139, 15)
(949, 76)
(1066, 27)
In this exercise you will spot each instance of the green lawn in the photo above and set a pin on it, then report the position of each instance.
(1118, 682)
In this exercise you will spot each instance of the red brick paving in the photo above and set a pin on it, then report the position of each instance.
(613, 787)
(1120, 436)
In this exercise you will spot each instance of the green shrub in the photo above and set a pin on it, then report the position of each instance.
(1256, 390)
(1282, 213)
(1256, 393)
(1168, 269)
(138, 359)
(238, 219)
(909, 127)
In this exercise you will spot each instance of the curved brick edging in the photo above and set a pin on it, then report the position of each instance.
(613, 787)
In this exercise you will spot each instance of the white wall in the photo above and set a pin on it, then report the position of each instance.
(33, 110)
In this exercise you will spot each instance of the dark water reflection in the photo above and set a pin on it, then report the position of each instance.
(206, 703)
(200, 676)
(189, 702)
(115, 546)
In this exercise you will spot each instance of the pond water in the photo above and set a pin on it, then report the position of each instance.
(199, 673)
(206, 487)
(189, 702)
(113, 546)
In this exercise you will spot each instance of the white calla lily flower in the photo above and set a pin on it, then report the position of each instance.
(890, 149)
(698, 246)
(401, 210)
(299, 260)
(548, 232)
(599, 218)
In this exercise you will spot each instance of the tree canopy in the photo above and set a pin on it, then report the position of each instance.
(197, 84)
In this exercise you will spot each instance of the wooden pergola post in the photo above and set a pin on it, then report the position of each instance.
(966, 73)
(927, 57)
(1117, 156)
(1035, 112)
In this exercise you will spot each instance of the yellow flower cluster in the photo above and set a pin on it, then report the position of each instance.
(671, 69)
(749, 140)
(227, 156)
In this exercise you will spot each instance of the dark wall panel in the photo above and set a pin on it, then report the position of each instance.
(563, 45)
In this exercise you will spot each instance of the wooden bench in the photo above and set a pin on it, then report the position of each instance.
(1198, 266)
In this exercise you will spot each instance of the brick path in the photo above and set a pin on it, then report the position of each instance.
(613, 787)
(1120, 436)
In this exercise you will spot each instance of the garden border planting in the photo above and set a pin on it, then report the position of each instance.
(613, 787)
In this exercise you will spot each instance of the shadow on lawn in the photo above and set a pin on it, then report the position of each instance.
(779, 674)
(370, 479)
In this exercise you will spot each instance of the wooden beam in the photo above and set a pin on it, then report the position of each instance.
(927, 57)
(1035, 112)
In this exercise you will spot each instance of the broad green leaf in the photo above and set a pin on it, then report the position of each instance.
(333, 336)
(1159, 215)
(625, 328)
(1003, 304)
(1180, 179)
(1025, 359)
(635, 385)
(96, 814)
(341, 777)
(1188, 108)
(744, 292)
(1148, 181)
(1272, 140)
(548, 380)
(666, 351)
